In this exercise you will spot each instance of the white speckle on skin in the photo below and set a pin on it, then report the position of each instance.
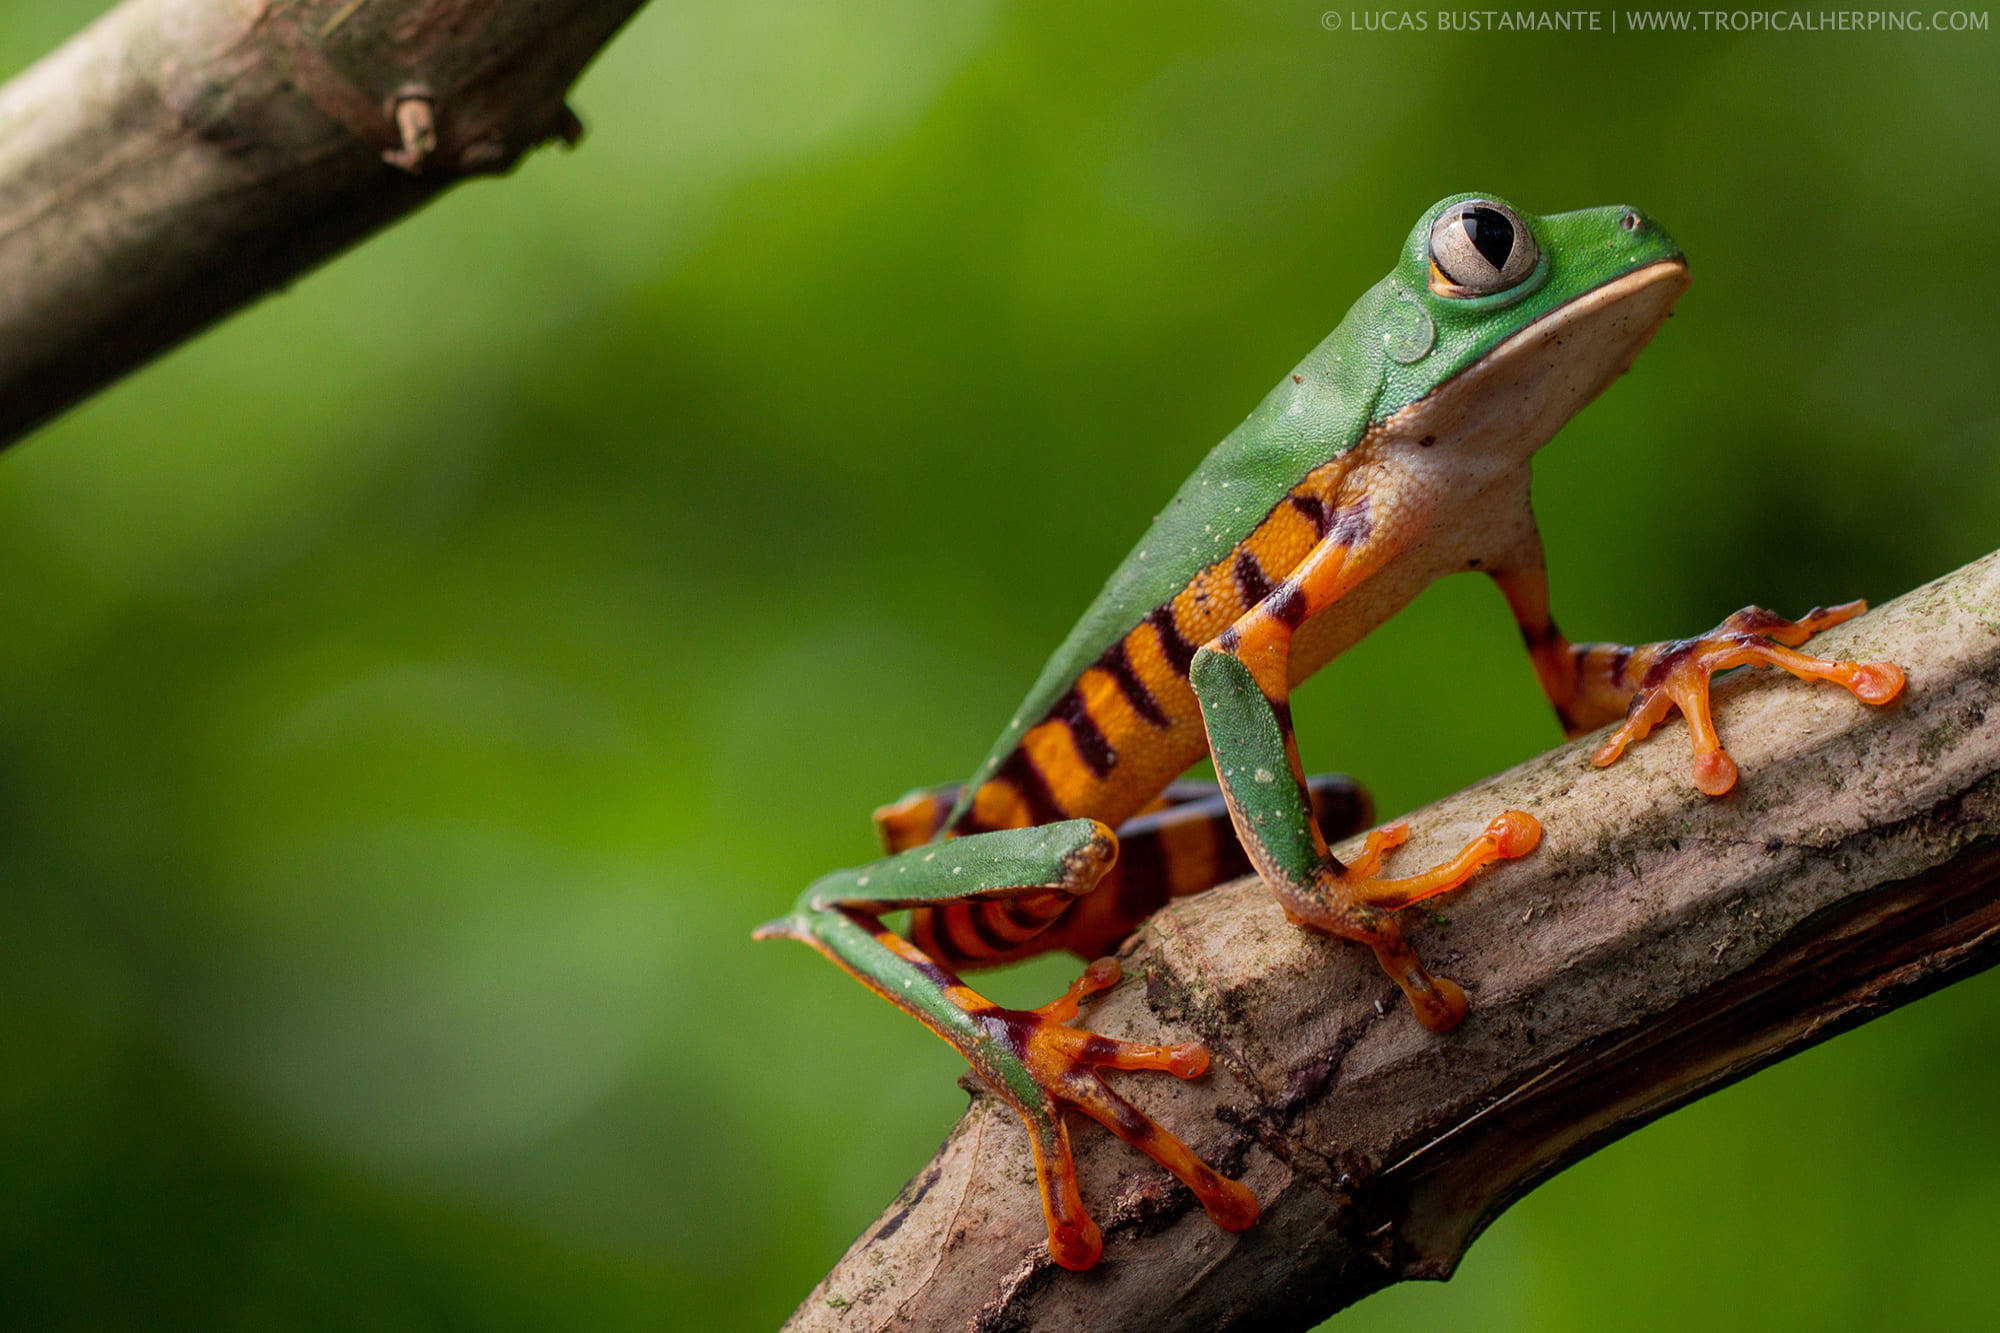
(863, 881)
(1262, 775)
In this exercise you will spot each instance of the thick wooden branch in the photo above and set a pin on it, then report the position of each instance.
(1658, 946)
(179, 158)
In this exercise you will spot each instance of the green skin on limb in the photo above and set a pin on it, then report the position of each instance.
(1395, 453)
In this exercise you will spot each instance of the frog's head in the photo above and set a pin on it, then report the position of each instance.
(1530, 315)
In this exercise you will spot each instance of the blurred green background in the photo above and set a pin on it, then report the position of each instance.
(412, 692)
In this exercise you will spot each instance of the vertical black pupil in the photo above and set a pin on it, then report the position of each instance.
(1490, 233)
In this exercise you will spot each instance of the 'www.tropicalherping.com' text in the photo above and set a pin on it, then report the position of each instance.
(1655, 20)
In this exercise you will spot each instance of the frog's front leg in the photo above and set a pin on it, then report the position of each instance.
(1030, 1058)
(1591, 684)
(1241, 682)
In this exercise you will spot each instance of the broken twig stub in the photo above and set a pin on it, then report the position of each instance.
(180, 158)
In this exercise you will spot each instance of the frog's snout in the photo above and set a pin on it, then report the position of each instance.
(1642, 232)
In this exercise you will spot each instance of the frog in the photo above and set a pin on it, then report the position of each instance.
(1396, 452)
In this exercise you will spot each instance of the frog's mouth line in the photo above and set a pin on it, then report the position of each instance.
(1510, 401)
(1654, 287)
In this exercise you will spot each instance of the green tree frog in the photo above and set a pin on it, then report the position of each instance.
(1396, 452)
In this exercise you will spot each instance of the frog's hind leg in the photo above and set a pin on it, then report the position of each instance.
(1030, 1058)
(984, 932)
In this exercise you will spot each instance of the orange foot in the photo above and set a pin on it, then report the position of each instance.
(1062, 1063)
(1355, 902)
(1675, 674)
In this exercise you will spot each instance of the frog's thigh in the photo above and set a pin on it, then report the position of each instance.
(1067, 857)
(1031, 1059)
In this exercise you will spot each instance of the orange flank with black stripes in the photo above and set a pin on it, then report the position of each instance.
(1129, 724)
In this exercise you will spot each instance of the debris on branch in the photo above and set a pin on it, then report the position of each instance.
(1658, 946)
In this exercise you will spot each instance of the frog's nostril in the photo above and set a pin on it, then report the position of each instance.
(1631, 220)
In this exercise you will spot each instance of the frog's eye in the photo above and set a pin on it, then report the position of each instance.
(1479, 248)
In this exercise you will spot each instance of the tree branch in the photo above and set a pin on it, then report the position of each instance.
(179, 158)
(1658, 946)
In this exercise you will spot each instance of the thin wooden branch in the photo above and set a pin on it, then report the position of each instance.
(1658, 946)
(180, 158)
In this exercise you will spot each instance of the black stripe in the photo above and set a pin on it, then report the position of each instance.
(1250, 579)
(1231, 861)
(1097, 752)
(1096, 1050)
(995, 942)
(1340, 804)
(1351, 525)
(1288, 605)
(1662, 666)
(941, 946)
(1143, 884)
(1179, 652)
(1119, 667)
(946, 799)
(1021, 918)
(1132, 1126)
(1022, 773)
(1314, 509)
(1283, 709)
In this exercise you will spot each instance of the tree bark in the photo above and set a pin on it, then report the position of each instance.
(180, 158)
(1658, 946)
